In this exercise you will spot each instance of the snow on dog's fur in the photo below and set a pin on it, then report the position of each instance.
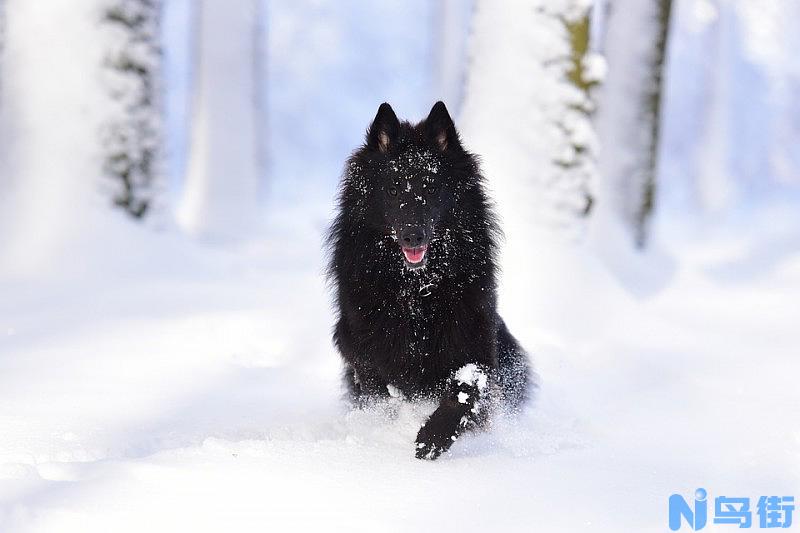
(413, 263)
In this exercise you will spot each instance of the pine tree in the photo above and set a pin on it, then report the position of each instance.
(132, 136)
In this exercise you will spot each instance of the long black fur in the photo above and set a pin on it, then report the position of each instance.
(432, 331)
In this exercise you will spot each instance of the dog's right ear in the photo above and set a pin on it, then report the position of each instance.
(384, 130)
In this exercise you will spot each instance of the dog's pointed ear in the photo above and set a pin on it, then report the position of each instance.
(440, 130)
(384, 130)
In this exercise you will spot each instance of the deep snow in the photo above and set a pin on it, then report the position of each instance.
(201, 392)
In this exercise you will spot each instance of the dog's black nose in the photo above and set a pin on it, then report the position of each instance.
(412, 237)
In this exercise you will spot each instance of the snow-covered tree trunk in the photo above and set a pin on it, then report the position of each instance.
(530, 122)
(451, 33)
(629, 107)
(585, 70)
(132, 137)
(54, 105)
(220, 196)
(525, 114)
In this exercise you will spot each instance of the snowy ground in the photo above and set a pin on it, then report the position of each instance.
(148, 382)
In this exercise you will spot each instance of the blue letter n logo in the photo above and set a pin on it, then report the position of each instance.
(696, 518)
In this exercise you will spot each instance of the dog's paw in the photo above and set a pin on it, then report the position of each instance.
(438, 434)
(428, 450)
(431, 446)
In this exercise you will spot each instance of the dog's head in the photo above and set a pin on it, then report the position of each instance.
(417, 177)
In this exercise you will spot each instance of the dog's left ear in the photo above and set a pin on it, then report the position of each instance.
(440, 130)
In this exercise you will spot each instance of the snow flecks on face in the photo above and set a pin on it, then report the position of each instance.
(463, 397)
(419, 159)
(411, 166)
(472, 375)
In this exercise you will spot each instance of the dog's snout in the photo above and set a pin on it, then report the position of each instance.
(413, 237)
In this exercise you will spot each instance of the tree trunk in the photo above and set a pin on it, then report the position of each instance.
(653, 105)
(629, 111)
(132, 136)
(527, 110)
(54, 105)
(220, 196)
(450, 42)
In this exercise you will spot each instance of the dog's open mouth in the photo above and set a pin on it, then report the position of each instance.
(415, 257)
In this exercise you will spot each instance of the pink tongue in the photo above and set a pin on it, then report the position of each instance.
(414, 255)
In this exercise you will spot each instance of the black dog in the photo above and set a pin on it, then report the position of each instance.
(413, 262)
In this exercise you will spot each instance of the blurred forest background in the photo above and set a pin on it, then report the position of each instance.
(213, 113)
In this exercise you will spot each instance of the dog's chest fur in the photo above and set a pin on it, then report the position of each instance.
(408, 328)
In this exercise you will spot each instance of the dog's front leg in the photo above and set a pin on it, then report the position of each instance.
(463, 407)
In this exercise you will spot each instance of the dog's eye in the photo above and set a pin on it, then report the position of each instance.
(392, 191)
